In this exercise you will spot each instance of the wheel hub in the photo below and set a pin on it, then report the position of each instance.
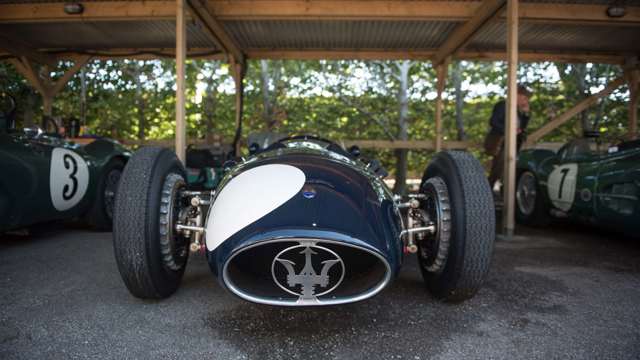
(173, 246)
(111, 186)
(526, 193)
(433, 248)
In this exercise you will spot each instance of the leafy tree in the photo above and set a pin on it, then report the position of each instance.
(130, 99)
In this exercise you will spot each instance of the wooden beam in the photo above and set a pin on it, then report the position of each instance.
(427, 55)
(93, 11)
(20, 49)
(80, 62)
(305, 10)
(464, 32)
(562, 57)
(441, 79)
(578, 108)
(511, 122)
(26, 69)
(215, 29)
(634, 84)
(410, 10)
(408, 144)
(47, 88)
(576, 14)
(343, 54)
(137, 53)
(365, 144)
(181, 52)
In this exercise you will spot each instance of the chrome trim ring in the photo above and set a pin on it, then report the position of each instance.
(526, 192)
(304, 302)
(434, 249)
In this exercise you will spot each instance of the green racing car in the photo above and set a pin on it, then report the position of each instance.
(45, 177)
(584, 180)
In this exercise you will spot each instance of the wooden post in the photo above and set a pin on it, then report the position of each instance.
(181, 51)
(634, 79)
(47, 105)
(511, 126)
(441, 75)
(238, 75)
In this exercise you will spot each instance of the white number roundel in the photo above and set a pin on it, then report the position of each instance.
(561, 186)
(68, 178)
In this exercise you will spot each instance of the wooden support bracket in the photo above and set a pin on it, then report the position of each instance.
(486, 10)
(577, 109)
(43, 83)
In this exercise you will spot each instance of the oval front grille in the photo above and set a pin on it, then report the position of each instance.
(294, 272)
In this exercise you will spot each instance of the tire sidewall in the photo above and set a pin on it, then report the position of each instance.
(472, 227)
(136, 232)
(98, 217)
(443, 282)
(164, 279)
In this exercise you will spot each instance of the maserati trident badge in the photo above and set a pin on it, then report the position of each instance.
(306, 283)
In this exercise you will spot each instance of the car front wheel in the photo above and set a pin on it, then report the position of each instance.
(150, 254)
(455, 259)
(531, 208)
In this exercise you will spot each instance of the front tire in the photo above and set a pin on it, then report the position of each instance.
(100, 217)
(456, 181)
(151, 257)
(531, 207)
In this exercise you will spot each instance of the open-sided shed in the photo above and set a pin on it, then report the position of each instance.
(42, 32)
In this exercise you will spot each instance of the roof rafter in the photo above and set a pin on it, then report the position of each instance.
(313, 10)
(342, 54)
(464, 32)
(215, 30)
(19, 49)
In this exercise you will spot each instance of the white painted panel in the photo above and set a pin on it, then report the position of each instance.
(561, 186)
(250, 196)
(68, 178)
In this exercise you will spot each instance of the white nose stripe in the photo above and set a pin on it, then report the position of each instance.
(250, 196)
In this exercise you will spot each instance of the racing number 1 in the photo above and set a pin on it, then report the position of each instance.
(72, 164)
(564, 172)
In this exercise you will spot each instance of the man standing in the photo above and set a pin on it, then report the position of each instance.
(494, 142)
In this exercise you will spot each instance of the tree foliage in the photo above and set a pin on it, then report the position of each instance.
(127, 99)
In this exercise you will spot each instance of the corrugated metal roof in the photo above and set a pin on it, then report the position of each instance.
(282, 34)
(560, 37)
(348, 34)
(104, 34)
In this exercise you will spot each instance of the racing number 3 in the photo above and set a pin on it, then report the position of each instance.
(68, 178)
(71, 164)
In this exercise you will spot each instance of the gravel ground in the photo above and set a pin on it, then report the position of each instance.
(565, 292)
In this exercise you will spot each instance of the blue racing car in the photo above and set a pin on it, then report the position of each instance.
(303, 221)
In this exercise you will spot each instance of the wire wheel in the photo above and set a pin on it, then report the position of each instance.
(526, 193)
(173, 246)
(110, 188)
(433, 249)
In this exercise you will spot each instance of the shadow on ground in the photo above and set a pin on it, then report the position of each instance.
(564, 291)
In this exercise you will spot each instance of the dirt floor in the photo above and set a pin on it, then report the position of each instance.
(565, 292)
